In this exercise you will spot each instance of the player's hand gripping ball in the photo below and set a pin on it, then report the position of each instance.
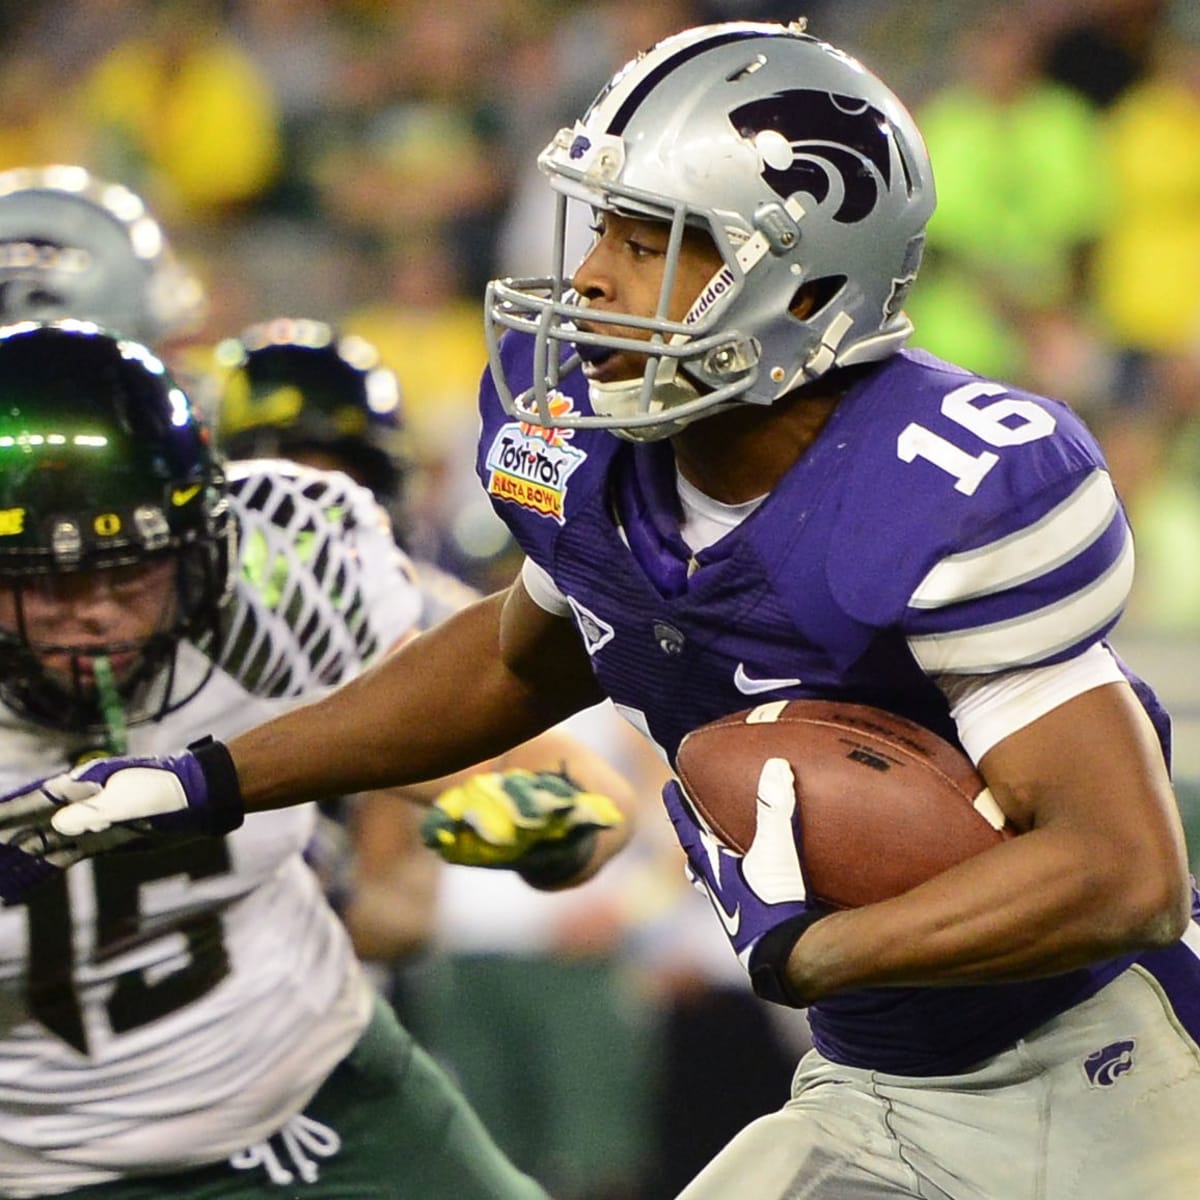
(762, 897)
(539, 823)
(882, 803)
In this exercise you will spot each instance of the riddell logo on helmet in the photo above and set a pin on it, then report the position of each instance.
(718, 286)
(42, 256)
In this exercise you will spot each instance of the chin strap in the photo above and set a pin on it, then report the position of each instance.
(622, 398)
(111, 707)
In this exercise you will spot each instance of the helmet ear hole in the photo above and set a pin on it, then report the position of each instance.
(814, 295)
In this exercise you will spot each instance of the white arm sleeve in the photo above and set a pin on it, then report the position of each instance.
(543, 591)
(987, 708)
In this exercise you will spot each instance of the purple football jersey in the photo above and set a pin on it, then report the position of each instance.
(941, 524)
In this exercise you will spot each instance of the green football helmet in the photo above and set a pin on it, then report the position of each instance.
(104, 467)
(295, 388)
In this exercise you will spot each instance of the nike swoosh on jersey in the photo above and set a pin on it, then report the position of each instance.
(755, 687)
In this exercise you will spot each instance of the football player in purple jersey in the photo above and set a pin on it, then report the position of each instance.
(794, 505)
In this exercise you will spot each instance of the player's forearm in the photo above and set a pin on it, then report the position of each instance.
(1045, 903)
(442, 703)
(1101, 869)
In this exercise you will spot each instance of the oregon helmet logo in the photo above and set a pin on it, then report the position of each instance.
(805, 136)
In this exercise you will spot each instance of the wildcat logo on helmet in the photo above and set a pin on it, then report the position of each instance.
(529, 466)
(853, 134)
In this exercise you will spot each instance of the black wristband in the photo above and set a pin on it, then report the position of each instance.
(769, 958)
(556, 863)
(225, 809)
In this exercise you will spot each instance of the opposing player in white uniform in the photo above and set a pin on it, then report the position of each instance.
(301, 389)
(190, 1020)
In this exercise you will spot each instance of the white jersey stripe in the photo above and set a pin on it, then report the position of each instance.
(681, 46)
(1064, 532)
(1032, 637)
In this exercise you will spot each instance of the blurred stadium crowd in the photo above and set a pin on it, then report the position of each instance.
(371, 164)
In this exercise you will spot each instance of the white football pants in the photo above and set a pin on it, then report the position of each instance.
(1032, 1123)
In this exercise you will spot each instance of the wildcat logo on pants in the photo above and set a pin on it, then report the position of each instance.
(1105, 1066)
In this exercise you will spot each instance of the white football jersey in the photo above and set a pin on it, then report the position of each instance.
(171, 1007)
(322, 587)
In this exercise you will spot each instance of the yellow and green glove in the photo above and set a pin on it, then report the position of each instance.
(537, 823)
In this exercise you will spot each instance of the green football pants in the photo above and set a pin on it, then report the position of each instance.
(386, 1125)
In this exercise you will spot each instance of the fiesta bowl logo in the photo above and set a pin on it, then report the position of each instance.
(529, 465)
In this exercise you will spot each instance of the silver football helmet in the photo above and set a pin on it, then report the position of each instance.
(806, 171)
(74, 246)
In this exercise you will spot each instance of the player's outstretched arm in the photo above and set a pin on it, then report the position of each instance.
(492, 676)
(1099, 868)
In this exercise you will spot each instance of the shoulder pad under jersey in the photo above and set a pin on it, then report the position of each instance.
(968, 507)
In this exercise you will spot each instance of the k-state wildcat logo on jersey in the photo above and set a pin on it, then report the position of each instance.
(529, 465)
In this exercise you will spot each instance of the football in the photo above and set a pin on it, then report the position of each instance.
(882, 803)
